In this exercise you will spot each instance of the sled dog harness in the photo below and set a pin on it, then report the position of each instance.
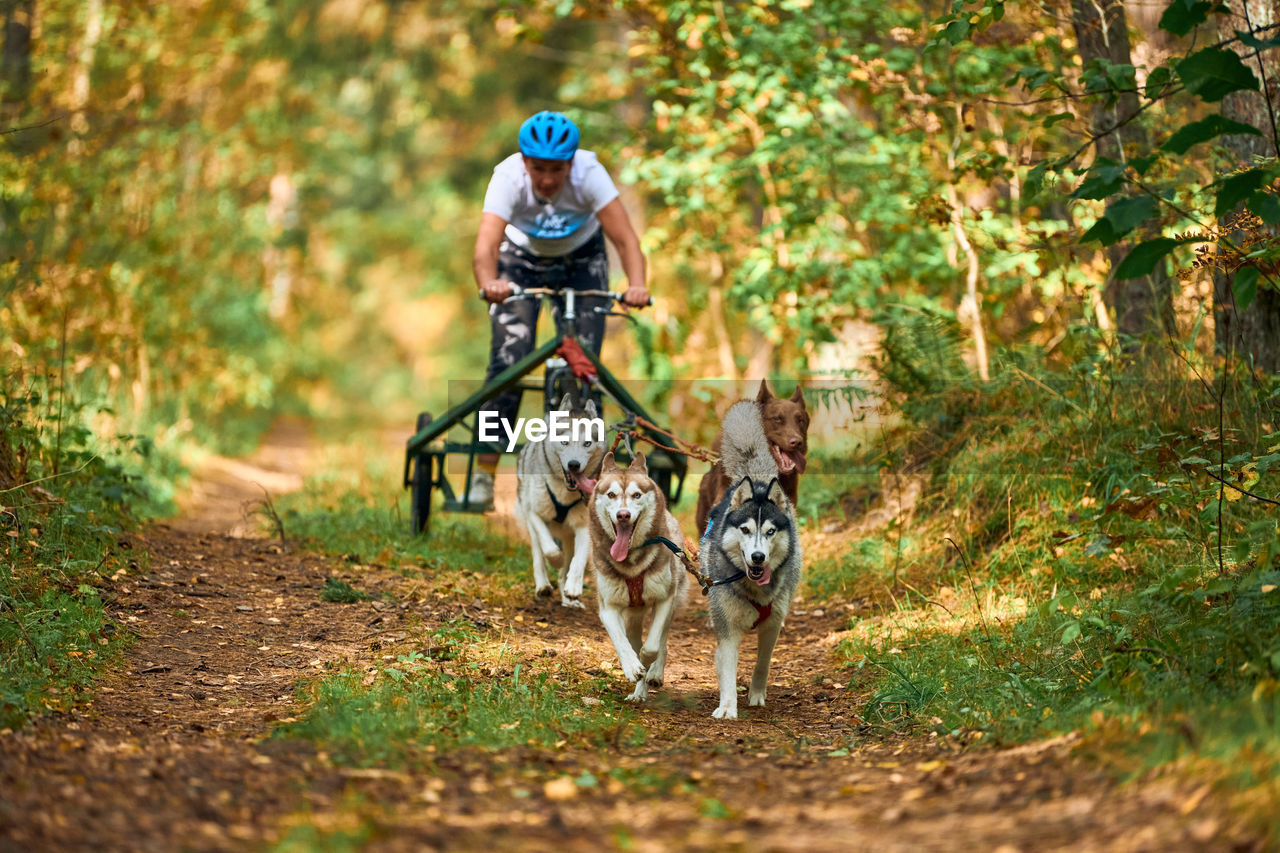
(635, 588)
(763, 611)
(562, 510)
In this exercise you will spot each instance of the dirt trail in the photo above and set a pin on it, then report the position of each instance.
(172, 752)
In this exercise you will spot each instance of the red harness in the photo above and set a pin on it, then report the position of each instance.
(635, 588)
(765, 611)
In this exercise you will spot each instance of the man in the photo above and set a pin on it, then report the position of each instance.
(546, 213)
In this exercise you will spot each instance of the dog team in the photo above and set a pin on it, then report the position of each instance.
(619, 524)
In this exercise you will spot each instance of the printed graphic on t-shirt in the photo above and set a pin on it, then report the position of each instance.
(551, 224)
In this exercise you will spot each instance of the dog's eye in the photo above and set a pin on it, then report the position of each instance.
(745, 529)
(565, 443)
(586, 444)
(769, 533)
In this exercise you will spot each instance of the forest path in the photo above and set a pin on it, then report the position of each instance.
(174, 753)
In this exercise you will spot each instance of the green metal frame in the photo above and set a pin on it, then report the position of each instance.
(659, 460)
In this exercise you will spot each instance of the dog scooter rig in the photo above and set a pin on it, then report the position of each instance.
(569, 367)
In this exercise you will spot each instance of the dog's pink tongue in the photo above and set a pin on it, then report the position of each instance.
(764, 578)
(586, 485)
(798, 458)
(622, 544)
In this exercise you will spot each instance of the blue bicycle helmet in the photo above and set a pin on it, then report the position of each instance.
(549, 136)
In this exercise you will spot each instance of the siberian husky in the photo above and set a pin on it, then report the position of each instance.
(786, 426)
(553, 479)
(751, 554)
(633, 551)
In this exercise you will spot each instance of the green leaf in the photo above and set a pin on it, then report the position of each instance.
(1250, 40)
(1142, 164)
(1102, 231)
(1035, 178)
(1236, 188)
(1070, 632)
(1127, 214)
(957, 30)
(1144, 257)
(1050, 121)
(1266, 206)
(1120, 218)
(1158, 81)
(1214, 73)
(1205, 129)
(1244, 287)
(1104, 178)
(1183, 16)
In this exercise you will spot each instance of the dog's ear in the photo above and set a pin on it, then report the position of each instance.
(798, 396)
(741, 493)
(776, 494)
(591, 408)
(608, 464)
(638, 463)
(566, 403)
(764, 395)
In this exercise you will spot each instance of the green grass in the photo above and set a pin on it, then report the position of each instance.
(1062, 571)
(452, 697)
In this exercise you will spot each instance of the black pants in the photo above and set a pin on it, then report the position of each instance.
(515, 326)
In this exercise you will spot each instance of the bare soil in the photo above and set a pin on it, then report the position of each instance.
(173, 752)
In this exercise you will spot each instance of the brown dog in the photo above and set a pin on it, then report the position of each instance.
(786, 426)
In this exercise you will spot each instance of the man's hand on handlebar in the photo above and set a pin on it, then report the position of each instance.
(637, 296)
(495, 291)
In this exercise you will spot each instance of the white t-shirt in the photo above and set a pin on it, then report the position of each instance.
(556, 227)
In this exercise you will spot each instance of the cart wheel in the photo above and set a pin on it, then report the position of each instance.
(420, 486)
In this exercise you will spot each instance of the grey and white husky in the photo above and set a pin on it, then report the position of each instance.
(553, 480)
(751, 553)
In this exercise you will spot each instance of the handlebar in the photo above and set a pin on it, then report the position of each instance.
(570, 296)
(518, 292)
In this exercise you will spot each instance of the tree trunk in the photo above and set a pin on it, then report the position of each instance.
(15, 63)
(1143, 306)
(1253, 333)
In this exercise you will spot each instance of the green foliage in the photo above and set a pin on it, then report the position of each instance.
(64, 502)
(1111, 570)
(781, 148)
(1149, 193)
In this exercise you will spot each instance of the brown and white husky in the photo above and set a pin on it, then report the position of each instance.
(633, 550)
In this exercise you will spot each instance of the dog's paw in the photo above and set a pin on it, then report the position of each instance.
(572, 601)
(653, 679)
(640, 694)
(725, 713)
(755, 698)
(633, 670)
(647, 656)
(544, 591)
